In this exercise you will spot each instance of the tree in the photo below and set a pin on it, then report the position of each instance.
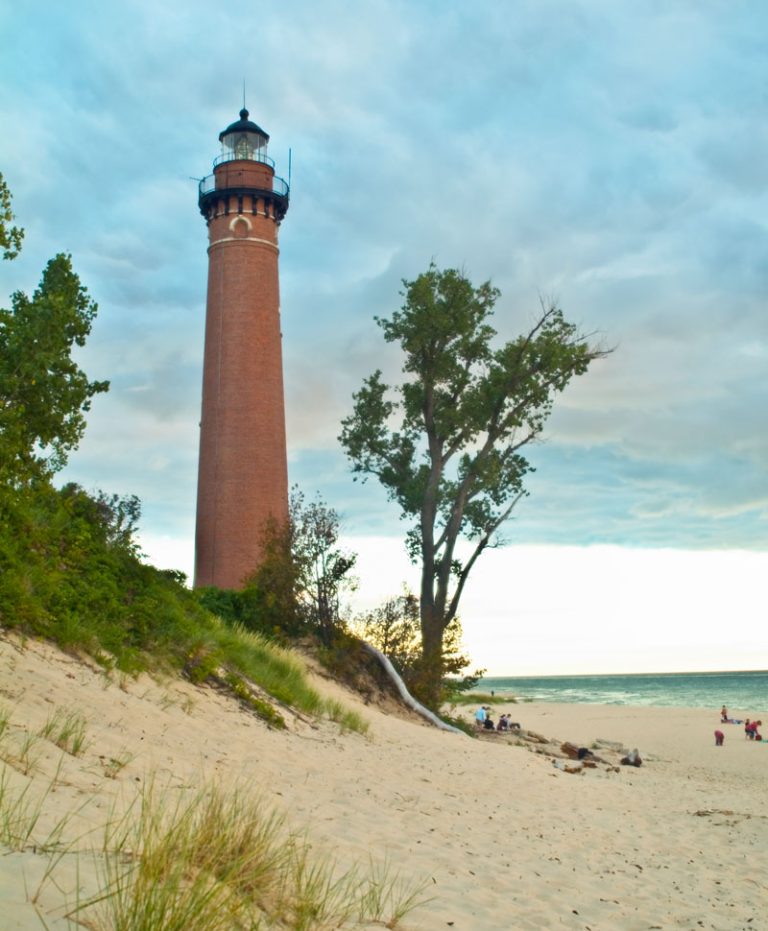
(10, 236)
(302, 576)
(394, 628)
(44, 395)
(323, 567)
(447, 447)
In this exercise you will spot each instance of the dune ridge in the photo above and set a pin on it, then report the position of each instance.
(499, 837)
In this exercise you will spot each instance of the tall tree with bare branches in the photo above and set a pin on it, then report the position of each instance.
(446, 443)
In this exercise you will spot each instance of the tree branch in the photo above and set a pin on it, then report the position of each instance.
(482, 544)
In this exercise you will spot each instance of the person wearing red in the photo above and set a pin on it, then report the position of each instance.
(751, 729)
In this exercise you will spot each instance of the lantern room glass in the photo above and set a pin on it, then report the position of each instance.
(244, 145)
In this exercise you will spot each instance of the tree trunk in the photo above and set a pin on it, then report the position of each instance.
(406, 696)
(431, 673)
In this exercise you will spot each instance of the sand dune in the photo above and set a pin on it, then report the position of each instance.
(502, 839)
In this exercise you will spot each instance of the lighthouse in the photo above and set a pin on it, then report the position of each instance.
(242, 473)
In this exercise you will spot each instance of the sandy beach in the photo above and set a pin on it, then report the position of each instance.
(501, 838)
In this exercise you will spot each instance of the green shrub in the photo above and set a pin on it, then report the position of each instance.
(70, 572)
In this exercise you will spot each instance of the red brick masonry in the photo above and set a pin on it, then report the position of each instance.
(243, 476)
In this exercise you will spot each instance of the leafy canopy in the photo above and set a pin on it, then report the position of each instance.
(394, 628)
(10, 236)
(303, 575)
(445, 443)
(43, 392)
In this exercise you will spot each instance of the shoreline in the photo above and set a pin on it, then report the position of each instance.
(501, 839)
(668, 690)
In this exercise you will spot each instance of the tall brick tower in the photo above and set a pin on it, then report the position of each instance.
(243, 474)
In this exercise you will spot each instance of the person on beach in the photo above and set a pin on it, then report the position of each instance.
(752, 730)
(503, 724)
(747, 728)
(632, 759)
(719, 738)
(488, 723)
(724, 715)
(480, 716)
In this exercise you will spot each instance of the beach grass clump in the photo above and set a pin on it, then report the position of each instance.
(458, 722)
(221, 861)
(346, 719)
(388, 893)
(480, 698)
(262, 709)
(276, 670)
(248, 656)
(112, 766)
(20, 812)
(22, 751)
(67, 730)
(5, 720)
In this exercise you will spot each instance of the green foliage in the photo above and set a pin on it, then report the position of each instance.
(297, 588)
(262, 708)
(323, 568)
(69, 571)
(203, 662)
(394, 628)
(43, 393)
(466, 697)
(445, 443)
(461, 723)
(10, 236)
(270, 599)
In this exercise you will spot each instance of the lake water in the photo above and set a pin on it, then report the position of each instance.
(740, 691)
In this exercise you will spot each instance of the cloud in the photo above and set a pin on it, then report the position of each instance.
(610, 156)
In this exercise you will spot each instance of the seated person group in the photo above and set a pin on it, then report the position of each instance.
(484, 720)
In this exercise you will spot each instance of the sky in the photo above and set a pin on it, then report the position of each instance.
(608, 154)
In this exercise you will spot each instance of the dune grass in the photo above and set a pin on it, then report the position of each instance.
(21, 751)
(222, 861)
(20, 812)
(480, 698)
(211, 860)
(247, 656)
(67, 730)
(5, 720)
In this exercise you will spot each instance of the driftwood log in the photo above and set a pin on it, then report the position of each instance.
(406, 696)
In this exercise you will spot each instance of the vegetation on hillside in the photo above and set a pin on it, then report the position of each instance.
(394, 629)
(70, 570)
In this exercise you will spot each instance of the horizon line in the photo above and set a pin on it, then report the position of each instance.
(576, 675)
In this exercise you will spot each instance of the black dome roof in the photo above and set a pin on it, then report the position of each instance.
(243, 125)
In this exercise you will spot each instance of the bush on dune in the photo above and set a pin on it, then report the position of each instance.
(70, 572)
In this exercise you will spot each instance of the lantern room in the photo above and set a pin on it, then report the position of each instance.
(243, 139)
